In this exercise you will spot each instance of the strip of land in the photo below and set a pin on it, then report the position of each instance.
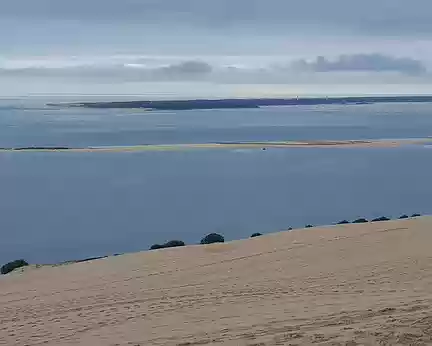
(230, 145)
(246, 103)
(364, 284)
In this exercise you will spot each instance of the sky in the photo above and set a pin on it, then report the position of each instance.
(224, 48)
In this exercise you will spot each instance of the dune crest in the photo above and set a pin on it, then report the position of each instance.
(363, 284)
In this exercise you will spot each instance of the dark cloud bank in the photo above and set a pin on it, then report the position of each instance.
(196, 70)
(363, 63)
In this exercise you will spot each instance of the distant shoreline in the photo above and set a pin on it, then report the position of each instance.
(244, 103)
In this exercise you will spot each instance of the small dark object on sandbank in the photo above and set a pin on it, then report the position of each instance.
(403, 217)
(40, 148)
(415, 215)
(309, 226)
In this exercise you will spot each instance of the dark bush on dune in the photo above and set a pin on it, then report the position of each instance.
(362, 220)
(403, 217)
(256, 235)
(415, 215)
(212, 238)
(382, 218)
(308, 226)
(172, 243)
(290, 229)
(343, 222)
(11, 266)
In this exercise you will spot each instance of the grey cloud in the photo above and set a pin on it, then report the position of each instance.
(362, 63)
(187, 68)
(184, 71)
(345, 69)
(386, 17)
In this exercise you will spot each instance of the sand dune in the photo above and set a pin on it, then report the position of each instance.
(368, 284)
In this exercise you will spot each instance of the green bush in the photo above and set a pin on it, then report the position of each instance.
(308, 226)
(362, 220)
(174, 243)
(171, 243)
(403, 217)
(212, 238)
(343, 222)
(415, 215)
(382, 218)
(156, 247)
(256, 235)
(8, 267)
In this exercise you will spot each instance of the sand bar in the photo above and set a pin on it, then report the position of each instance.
(368, 284)
(232, 145)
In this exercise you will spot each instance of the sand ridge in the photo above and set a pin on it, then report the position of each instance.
(368, 284)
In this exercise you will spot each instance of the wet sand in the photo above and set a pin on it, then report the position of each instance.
(233, 145)
(365, 284)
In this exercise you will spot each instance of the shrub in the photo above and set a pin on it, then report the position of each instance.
(403, 217)
(171, 243)
(415, 215)
(382, 218)
(290, 229)
(308, 226)
(256, 235)
(156, 247)
(174, 243)
(362, 220)
(212, 238)
(8, 267)
(343, 222)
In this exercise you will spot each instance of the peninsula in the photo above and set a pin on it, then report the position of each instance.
(245, 103)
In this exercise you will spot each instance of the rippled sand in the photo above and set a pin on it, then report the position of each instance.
(368, 284)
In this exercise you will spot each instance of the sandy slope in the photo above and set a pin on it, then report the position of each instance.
(347, 285)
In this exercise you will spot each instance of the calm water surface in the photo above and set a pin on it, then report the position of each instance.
(60, 206)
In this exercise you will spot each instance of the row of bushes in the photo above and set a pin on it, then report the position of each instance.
(217, 238)
(211, 238)
(378, 219)
(208, 239)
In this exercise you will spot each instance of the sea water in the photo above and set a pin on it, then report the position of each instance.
(61, 206)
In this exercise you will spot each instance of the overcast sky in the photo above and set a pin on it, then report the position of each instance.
(215, 48)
